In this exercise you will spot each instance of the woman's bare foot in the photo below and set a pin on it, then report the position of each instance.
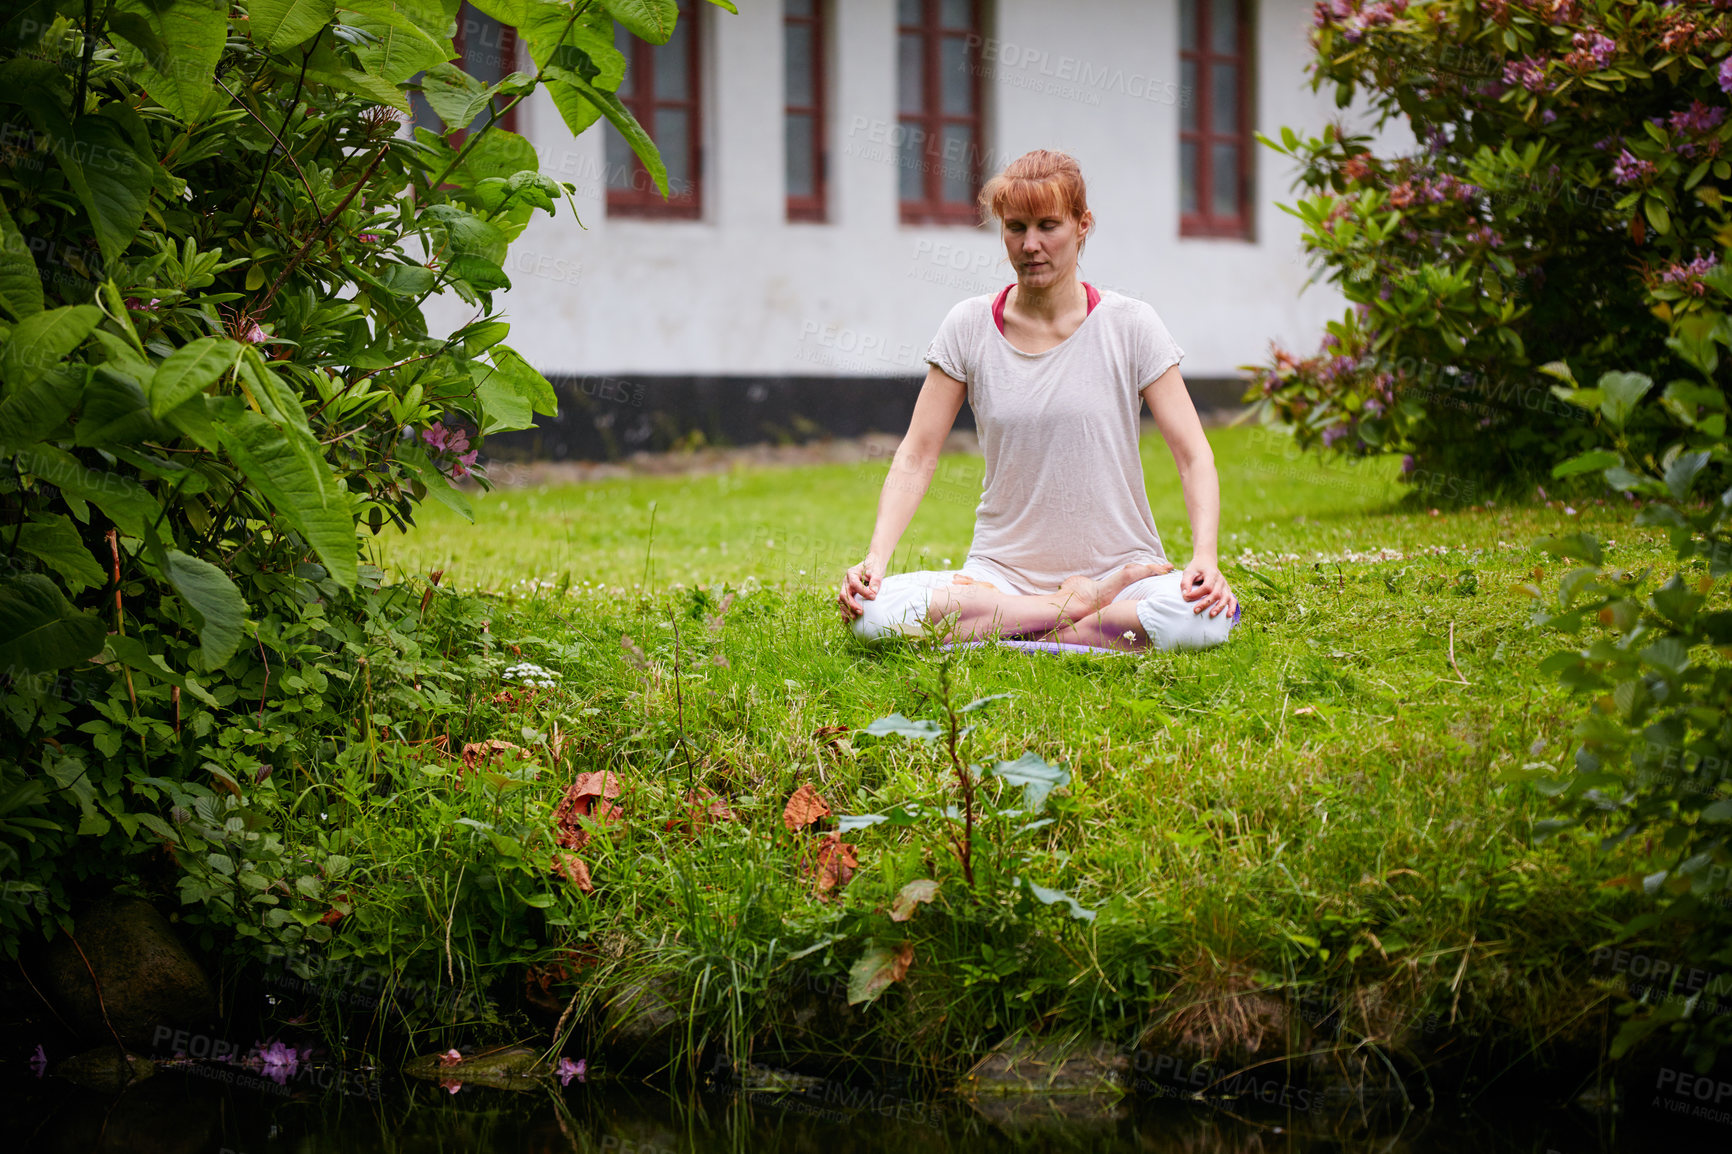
(1089, 595)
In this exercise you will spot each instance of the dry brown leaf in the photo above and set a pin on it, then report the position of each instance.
(571, 867)
(804, 808)
(587, 796)
(836, 864)
(904, 959)
(909, 897)
(832, 737)
(489, 752)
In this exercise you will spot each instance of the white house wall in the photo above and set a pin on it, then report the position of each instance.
(744, 291)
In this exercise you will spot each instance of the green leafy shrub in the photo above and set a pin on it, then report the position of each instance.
(1568, 189)
(1653, 770)
(216, 238)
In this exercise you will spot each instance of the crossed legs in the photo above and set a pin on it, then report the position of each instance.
(1083, 611)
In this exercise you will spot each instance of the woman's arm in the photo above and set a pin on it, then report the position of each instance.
(1176, 417)
(910, 474)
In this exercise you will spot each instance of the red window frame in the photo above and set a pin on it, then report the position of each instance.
(642, 199)
(930, 121)
(814, 206)
(508, 64)
(1205, 222)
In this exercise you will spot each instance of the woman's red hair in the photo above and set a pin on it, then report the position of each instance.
(1038, 183)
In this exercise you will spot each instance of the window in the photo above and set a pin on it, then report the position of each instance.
(661, 89)
(803, 107)
(938, 109)
(1214, 118)
(487, 50)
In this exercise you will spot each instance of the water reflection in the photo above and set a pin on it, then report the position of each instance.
(174, 1114)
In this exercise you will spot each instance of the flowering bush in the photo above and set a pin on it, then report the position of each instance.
(1565, 206)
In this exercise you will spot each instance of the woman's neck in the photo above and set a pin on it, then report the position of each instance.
(1052, 302)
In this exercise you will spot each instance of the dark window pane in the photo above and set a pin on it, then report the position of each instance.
(956, 154)
(802, 154)
(910, 73)
(619, 160)
(1188, 95)
(1224, 98)
(800, 7)
(1188, 25)
(673, 61)
(1224, 26)
(1188, 176)
(673, 137)
(799, 65)
(911, 183)
(955, 80)
(484, 54)
(622, 40)
(909, 12)
(954, 14)
(1223, 179)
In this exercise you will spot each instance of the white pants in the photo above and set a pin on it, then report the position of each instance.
(1166, 617)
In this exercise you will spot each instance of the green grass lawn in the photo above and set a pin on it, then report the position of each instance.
(1316, 839)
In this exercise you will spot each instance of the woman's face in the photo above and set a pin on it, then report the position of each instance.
(1043, 249)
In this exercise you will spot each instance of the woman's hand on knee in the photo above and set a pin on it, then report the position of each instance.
(1204, 584)
(862, 581)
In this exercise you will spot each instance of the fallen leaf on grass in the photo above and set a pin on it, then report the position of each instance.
(831, 737)
(704, 803)
(489, 752)
(587, 796)
(804, 808)
(877, 969)
(571, 867)
(909, 897)
(836, 864)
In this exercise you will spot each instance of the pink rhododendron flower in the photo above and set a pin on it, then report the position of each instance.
(567, 1070)
(253, 334)
(1628, 169)
(1595, 46)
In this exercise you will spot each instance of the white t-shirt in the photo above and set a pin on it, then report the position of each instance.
(1063, 492)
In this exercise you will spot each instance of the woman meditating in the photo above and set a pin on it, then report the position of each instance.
(1065, 548)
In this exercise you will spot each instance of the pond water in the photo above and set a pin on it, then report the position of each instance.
(176, 1114)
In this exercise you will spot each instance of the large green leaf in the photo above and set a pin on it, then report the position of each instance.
(1619, 393)
(53, 540)
(36, 411)
(115, 412)
(20, 282)
(537, 388)
(190, 370)
(504, 406)
(454, 95)
(279, 24)
(40, 342)
(127, 503)
(621, 118)
(221, 609)
(111, 180)
(1035, 775)
(179, 68)
(40, 630)
(398, 48)
(288, 467)
(653, 20)
(325, 67)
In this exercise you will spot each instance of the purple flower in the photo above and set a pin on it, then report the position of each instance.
(1547, 116)
(464, 463)
(276, 1061)
(1529, 72)
(254, 334)
(1628, 169)
(1726, 76)
(567, 1070)
(39, 1060)
(368, 238)
(1688, 275)
(1332, 434)
(1596, 46)
(435, 436)
(1696, 119)
(1407, 463)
